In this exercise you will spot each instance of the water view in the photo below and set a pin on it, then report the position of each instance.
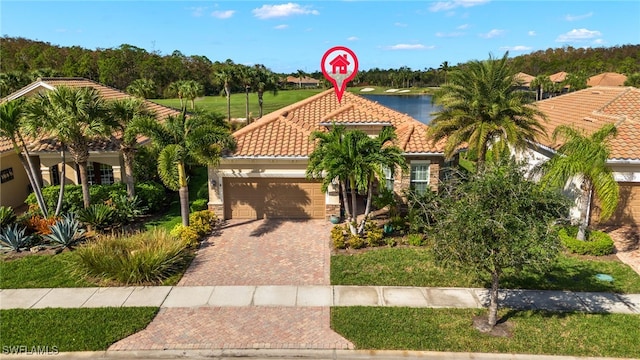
(418, 107)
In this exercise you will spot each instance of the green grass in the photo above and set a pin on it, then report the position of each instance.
(40, 271)
(89, 329)
(271, 103)
(415, 267)
(534, 332)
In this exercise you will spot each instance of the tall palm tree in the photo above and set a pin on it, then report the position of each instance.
(541, 84)
(142, 88)
(247, 77)
(226, 77)
(444, 68)
(124, 112)
(190, 90)
(76, 116)
(482, 107)
(354, 158)
(11, 128)
(266, 80)
(301, 74)
(176, 89)
(585, 158)
(198, 139)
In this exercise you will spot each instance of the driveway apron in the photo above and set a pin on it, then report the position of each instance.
(257, 252)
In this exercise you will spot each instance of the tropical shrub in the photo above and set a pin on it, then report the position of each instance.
(7, 216)
(198, 205)
(36, 224)
(146, 258)
(597, 243)
(187, 235)
(152, 195)
(355, 241)
(15, 237)
(66, 232)
(99, 216)
(125, 210)
(415, 239)
(338, 237)
(72, 199)
(203, 222)
(373, 234)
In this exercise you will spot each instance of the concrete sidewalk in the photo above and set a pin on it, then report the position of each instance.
(314, 296)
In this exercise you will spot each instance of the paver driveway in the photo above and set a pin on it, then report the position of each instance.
(263, 252)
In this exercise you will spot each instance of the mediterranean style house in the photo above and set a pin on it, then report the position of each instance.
(105, 161)
(588, 110)
(265, 176)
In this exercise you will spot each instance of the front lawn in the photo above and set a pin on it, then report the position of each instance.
(415, 267)
(40, 271)
(534, 332)
(61, 330)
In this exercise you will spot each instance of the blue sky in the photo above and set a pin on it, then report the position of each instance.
(287, 36)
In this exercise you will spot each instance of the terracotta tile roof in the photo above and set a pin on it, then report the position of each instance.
(305, 80)
(607, 79)
(286, 132)
(590, 109)
(558, 77)
(106, 92)
(525, 78)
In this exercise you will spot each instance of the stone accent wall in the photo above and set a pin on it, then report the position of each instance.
(217, 209)
(403, 180)
(332, 209)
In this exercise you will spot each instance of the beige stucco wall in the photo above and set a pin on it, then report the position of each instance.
(13, 192)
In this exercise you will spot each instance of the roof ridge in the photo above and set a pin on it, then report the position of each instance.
(337, 111)
(405, 142)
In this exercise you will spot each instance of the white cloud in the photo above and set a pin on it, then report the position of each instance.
(570, 17)
(352, 38)
(450, 5)
(399, 24)
(223, 14)
(449, 35)
(493, 33)
(463, 27)
(531, 33)
(598, 41)
(408, 47)
(516, 48)
(578, 35)
(198, 11)
(282, 10)
(281, 27)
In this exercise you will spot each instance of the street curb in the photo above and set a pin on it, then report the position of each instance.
(294, 354)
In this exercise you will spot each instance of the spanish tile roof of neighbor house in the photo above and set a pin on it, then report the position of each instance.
(285, 132)
(558, 77)
(607, 79)
(525, 78)
(108, 93)
(592, 108)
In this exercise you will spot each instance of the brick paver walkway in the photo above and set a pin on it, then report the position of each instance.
(264, 252)
(627, 242)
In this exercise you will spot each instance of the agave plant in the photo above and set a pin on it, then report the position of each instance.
(15, 238)
(100, 216)
(66, 232)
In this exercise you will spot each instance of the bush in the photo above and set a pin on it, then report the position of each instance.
(36, 224)
(355, 241)
(415, 239)
(203, 222)
(125, 210)
(152, 195)
(14, 237)
(72, 198)
(597, 243)
(338, 237)
(66, 232)
(198, 205)
(374, 234)
(187, 235)
(142, 259)
(7, 216)
(100, 216)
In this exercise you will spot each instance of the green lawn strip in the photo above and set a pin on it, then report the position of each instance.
(272, 103)
(88, 329)
(534, 332)
(40, 271)
(415, 267)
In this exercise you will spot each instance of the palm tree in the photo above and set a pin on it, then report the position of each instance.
(226, 77)
(124, 112)
(542, 84)
(585, 158)
(142, 88)
(444, 67)
(190, 90)
(266, 80)
(197, 139)
(247, 77)
(482, 107)
(176, 89)
(11, 128)
(301, 74)
(76, 116)
(352, 157)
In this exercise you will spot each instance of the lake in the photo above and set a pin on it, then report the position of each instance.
(418, 107)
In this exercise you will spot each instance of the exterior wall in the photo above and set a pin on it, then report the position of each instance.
(49, 159)
(15, 191)
(402, 180)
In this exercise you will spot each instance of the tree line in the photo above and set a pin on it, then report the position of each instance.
(24, 60)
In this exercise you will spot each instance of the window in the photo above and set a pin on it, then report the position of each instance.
(420, 176)
(103, 175)
(388, 178)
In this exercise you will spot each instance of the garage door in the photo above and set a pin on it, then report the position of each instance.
(273, 198)
(628, 211)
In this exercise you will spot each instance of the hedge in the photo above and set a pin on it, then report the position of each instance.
(597, 243)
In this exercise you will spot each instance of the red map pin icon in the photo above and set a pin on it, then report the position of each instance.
(339, 65)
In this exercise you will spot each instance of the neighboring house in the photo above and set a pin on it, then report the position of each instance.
(589, 110)
(525, 79)
(306, 82)
(558, 77)
(105, 161)
(265, 176)
(607, 79)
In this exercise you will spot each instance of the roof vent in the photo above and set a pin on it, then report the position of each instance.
(586, 118)
(285, 113)
(596, 92)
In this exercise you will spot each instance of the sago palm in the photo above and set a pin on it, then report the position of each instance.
(482, 107)
(198, 139)
(585, 158)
